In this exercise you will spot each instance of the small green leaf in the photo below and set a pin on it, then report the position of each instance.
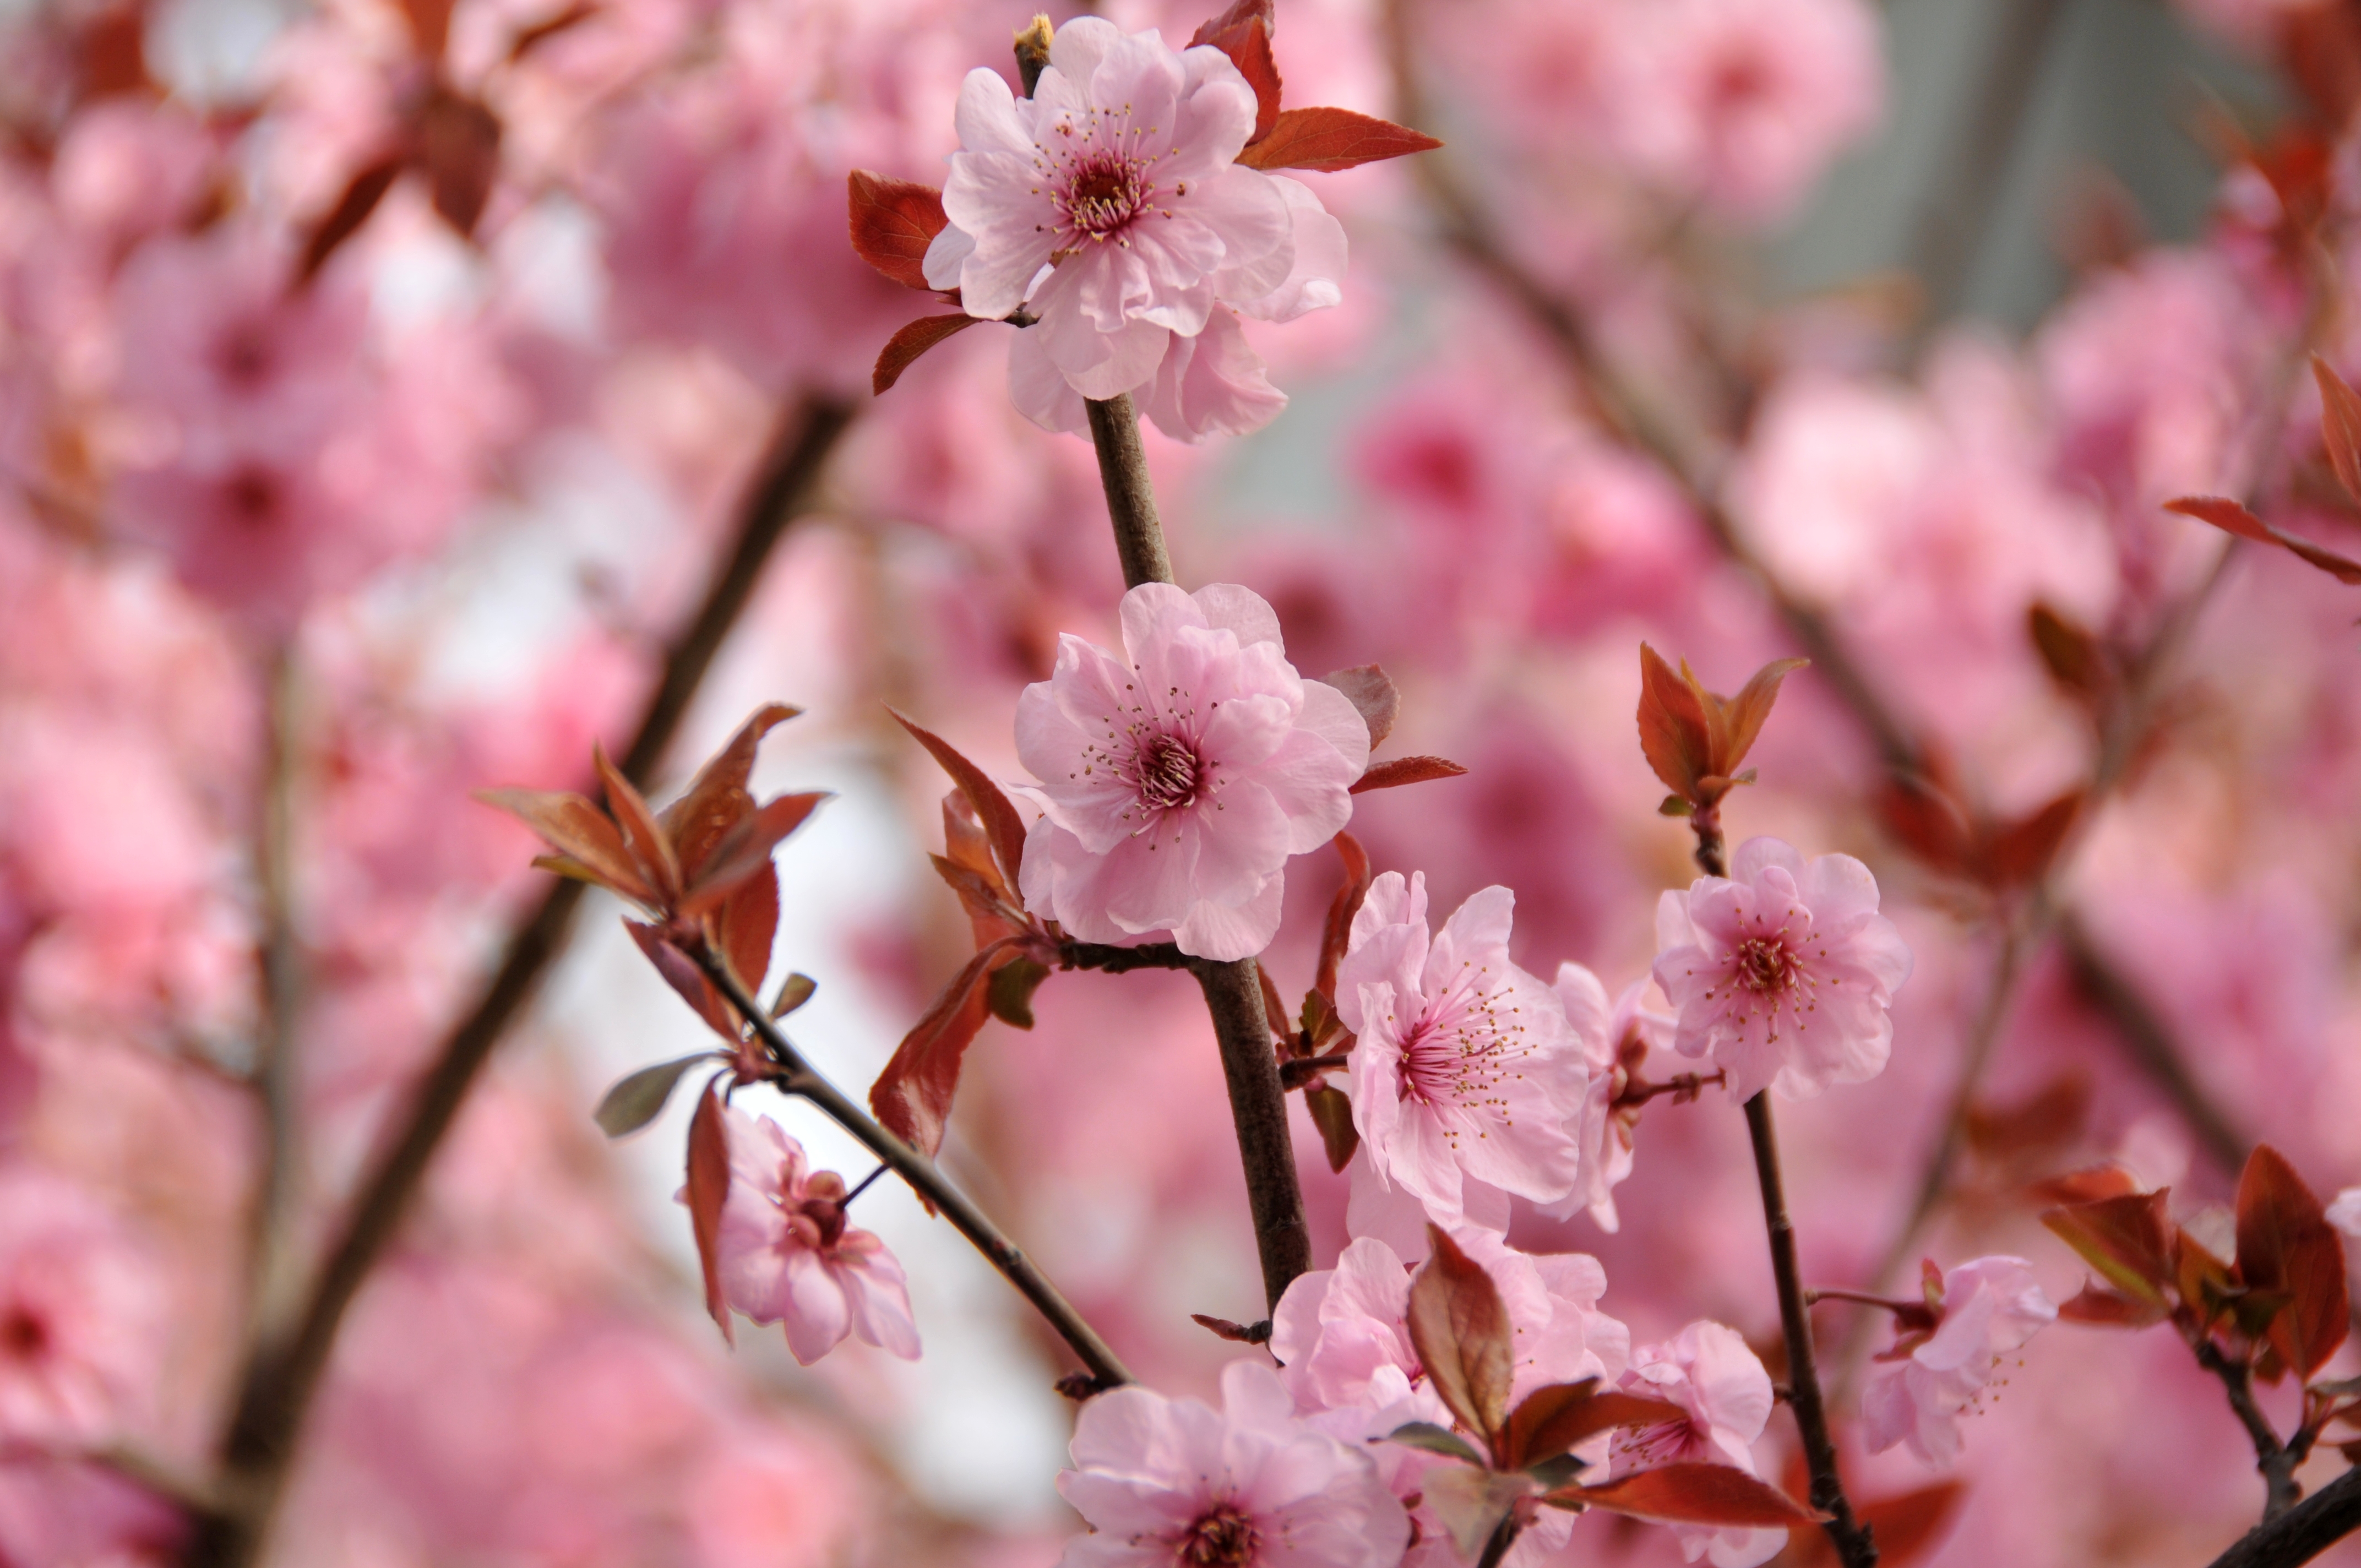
(1673, 806)
(1010, 996)
(1434, 1439)
(636, 1102)
(794, 992)
(1552, 1474)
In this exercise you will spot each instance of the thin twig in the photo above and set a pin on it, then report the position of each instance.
(271, 1276)
(283, 1369)
(2303, 1531)
(2275, 1462)
(1233, 991)
(1854, 1546)
(798, 1078)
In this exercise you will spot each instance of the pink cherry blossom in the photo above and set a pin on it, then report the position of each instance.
(1165, 1481)
(1708, 1370)
(1177, 778)
(1783, 971)
(1108, 206)
(1465, 1068)
(1604, 1133)
(1918, 1391)
(82, 1316)
(787, 1252)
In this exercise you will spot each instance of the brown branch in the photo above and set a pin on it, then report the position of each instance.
(1854, 1546)
(273, 1077)
(2275, 1462)
(284, 1368)
(2303, 1531)
(1233, 991)
(798, 1078)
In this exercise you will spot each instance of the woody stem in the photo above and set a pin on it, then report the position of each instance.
(924, 1179)
(1233, 991)
(1851, 1539)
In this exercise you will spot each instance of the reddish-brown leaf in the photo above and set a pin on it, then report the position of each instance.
(708, 1188)
(430, 25)
(913, 1096)
(1910, 1526)
(1330, 140)
(716, 800)
(2074, 657)
(1744, 714)
(644, 839)
(1926, 821)
(1460, 1329)
(1339, 931)
(1274, 1009)
(529, 39)
(2285, 1245)
(2023, 850)
(341, 222)
(1002, 825)
(687, 980)
(1242, 32)
(2228, 514)
(2051, 1116)
(901, 349)
(745, 850)
(747, 922)
(2126, 1239)
(1008, 994)
(2099, 1309)
(589, 847)
(1371, 692)
(1675, 734)
(894, 222)
(1331, 1112)
(2339, 425)
(1696, 1494)
(2085, 1186)
(1406, 771)
(1552, 1420)
(459, 147)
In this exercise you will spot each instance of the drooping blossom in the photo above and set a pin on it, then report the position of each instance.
(1610, 1041)
(1177, 777)
(787, 1253)
(1108, 207)
(1783, 971)
(1164, 1482)
(1466, 1069)
(1922, 1387)
(1708, 1370)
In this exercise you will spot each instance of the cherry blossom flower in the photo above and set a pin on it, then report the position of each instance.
(1177, 778)
(82, 1316)
(1783, 971)
(1170, 1481)
(1466, 1066)
(1708, 1370)
(1923, 1386)
(1109, 207)
(787, 1252)
(1603, 1133)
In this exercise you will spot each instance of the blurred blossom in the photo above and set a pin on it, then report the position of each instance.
(82, 1316)
(1919, 1391)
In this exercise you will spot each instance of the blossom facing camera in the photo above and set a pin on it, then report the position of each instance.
(1177, 777)
(1927, 1382)
(788, 1256)
(1782, 972)
(1110, 207)
(1707, 1370)
(1466, 1069)
(1170, 1481)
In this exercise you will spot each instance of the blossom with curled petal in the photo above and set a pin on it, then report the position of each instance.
(1707, 1370)
(787, 1253)
(1465, 1069)
(1168, 1482)
(1921, 1388)
(1177, 777)
(1109, 206)
(1603, 1132)
(1782, 972)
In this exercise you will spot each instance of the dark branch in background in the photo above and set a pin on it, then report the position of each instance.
(2151, 1043)
(797, 1078)
(2303, 1531)
(1854, 1547)
(284, 1368)
(1233, 991)
(270, 1278)
(1948, 239)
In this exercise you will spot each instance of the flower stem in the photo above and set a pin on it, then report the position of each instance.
(1233, 991)
(2275, 1462)
(284, 1365)
(1504, 1536)
(798, 1078)
(1854, 1547)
